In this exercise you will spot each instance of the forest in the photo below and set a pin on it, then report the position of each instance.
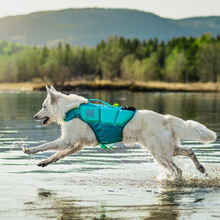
(116, 59)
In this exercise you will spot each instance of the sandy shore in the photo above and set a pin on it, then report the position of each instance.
(115, 86)
(20, 86)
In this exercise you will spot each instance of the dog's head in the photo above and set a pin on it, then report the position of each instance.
(46, 114)
(56, 105)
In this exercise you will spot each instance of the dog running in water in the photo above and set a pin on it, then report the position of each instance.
(159, 134)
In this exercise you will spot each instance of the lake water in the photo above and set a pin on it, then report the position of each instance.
(104, 184)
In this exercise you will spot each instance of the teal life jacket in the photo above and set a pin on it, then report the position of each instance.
(106, 121)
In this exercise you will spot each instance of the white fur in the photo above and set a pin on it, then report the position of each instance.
(159, 134)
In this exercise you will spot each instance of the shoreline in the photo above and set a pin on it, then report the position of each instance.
(116, 86)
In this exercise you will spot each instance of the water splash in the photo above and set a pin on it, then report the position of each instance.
(32, 161)
(20, 144)
(191, 176)
(210, 179)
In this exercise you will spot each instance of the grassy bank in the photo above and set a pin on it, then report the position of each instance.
(115, 86)
(138, 86)
(28, 86)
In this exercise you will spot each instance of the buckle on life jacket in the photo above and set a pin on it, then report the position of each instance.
(104, 146)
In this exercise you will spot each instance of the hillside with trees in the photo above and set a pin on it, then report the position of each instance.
(117, 59)
(88, 26)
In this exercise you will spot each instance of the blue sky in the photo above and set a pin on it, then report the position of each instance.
(165, 8)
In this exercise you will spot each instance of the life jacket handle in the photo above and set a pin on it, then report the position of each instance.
(97, 100)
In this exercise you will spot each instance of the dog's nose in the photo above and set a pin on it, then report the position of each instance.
(35, 117)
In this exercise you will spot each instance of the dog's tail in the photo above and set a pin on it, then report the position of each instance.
(190, 130)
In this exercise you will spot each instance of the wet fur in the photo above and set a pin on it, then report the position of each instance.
(159, 134)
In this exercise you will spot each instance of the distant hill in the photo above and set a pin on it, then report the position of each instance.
(88, 26)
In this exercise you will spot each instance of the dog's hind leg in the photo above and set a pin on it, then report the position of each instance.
(188, 152)
(60, 154)
(168, 163)
(171, 166)
(54, 145)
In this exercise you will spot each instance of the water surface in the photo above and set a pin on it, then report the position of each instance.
(104, 184)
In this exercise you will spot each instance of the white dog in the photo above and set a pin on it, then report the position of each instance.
(159, 134)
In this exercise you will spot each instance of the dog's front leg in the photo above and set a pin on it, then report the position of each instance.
(54, 145)
(61, 154)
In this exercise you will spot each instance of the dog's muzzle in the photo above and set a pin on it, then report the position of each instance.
(35, 117)
(44, 119)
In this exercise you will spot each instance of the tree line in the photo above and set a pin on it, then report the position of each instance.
(178, 60)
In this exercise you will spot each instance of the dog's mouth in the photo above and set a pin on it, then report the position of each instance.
(45, 120)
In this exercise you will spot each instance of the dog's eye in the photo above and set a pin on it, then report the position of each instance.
(44, 106)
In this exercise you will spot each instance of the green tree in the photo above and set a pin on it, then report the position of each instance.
(66, 60)
(44, 55)
(127, 68)
(55, 72)
(101, 46)
(151, 68)
(175, 65)
(29, 65)
(155, 44)
(110, 59)
(162, 54)
(208, 62)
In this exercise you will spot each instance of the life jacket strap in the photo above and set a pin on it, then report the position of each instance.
(97, 100)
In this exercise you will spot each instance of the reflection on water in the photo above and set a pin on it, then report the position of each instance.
(165, 204)
(102, 184)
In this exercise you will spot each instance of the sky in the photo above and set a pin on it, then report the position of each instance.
(175, 9)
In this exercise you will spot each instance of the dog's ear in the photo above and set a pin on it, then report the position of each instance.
(53, 89)
(53, 96)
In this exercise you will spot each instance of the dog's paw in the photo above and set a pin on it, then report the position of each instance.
(201, 169)
(26, 151)
(42, 164)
